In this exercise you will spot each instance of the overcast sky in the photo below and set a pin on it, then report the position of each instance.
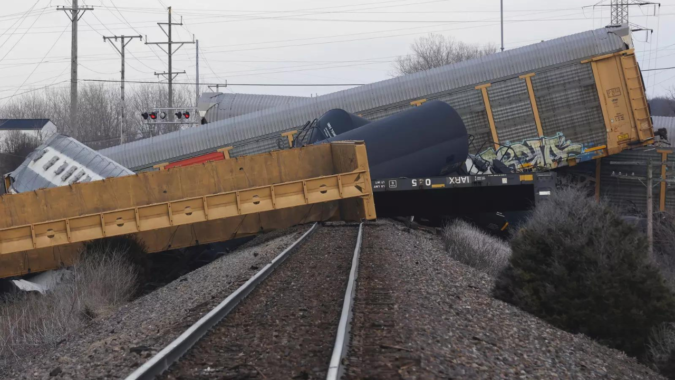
(292, 41)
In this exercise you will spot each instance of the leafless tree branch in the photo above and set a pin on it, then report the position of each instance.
(436, 50)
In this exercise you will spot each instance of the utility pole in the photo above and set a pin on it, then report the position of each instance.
(120, 50)
(502, 15)
(74, 13)
(197, 74)
(169, 75)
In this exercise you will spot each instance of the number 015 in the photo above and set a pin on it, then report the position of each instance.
(418, 182)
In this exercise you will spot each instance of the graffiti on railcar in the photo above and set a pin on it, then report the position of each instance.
(541, 153)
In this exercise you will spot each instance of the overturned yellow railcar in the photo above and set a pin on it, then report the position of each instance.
(211, 202)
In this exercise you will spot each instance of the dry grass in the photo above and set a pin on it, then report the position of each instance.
(100, 282)
(475, 248)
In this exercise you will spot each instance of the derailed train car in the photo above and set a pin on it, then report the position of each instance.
(535, 108)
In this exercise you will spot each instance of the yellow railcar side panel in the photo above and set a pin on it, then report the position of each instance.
(637, 97)
(623, 101)
(185, 206)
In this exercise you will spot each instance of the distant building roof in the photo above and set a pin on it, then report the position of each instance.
(62, 161)
(22, 124)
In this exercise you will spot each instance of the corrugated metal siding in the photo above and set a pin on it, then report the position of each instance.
(84, 165)
(631, 195)
(227, 106)
(568, 103)
(435, 82)
(512, 111)
(469, 104)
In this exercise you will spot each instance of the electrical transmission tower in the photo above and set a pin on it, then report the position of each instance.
(124, 41)
(74, 13)
(619, 11)
(169, 75)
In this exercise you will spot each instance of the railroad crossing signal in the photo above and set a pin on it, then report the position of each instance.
(180, 115)
(161, 113)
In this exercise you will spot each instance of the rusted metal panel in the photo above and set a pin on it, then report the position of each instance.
(185, 206)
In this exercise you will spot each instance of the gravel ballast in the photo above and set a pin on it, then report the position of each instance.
(113, 346)
(286, 327)
(421, 315)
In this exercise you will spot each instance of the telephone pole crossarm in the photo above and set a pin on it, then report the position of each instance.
(174, 74)
(74, 11)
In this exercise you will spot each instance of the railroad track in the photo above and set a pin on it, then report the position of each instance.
(290, 320)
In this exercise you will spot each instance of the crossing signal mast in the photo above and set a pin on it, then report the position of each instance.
(159, 115)
(169, 75)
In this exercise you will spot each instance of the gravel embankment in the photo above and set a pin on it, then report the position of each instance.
(286, 327)
(421, 315)
(113, 346)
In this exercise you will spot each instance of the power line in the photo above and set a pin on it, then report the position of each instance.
(354, 34)
(22, 36)
(36, 89)
(22, 18)
(130, 53)
(43, 58)
(661, 68)
(238, 84)
(134, 29)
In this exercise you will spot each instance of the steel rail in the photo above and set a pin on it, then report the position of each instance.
(176, 349)
(336, 368)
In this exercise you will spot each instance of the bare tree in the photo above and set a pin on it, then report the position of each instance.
(436, 50)
(663, 105)
(14, 149)
(100, 119)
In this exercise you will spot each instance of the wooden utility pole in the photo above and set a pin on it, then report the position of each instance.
(197, 73)
(74, 13)
(169, 75)
(502, 16)
(123, 43)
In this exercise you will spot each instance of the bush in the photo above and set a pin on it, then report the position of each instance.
(475, 248)
(99, 282)
(661, 351)
(577, 265)
(664, 247)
